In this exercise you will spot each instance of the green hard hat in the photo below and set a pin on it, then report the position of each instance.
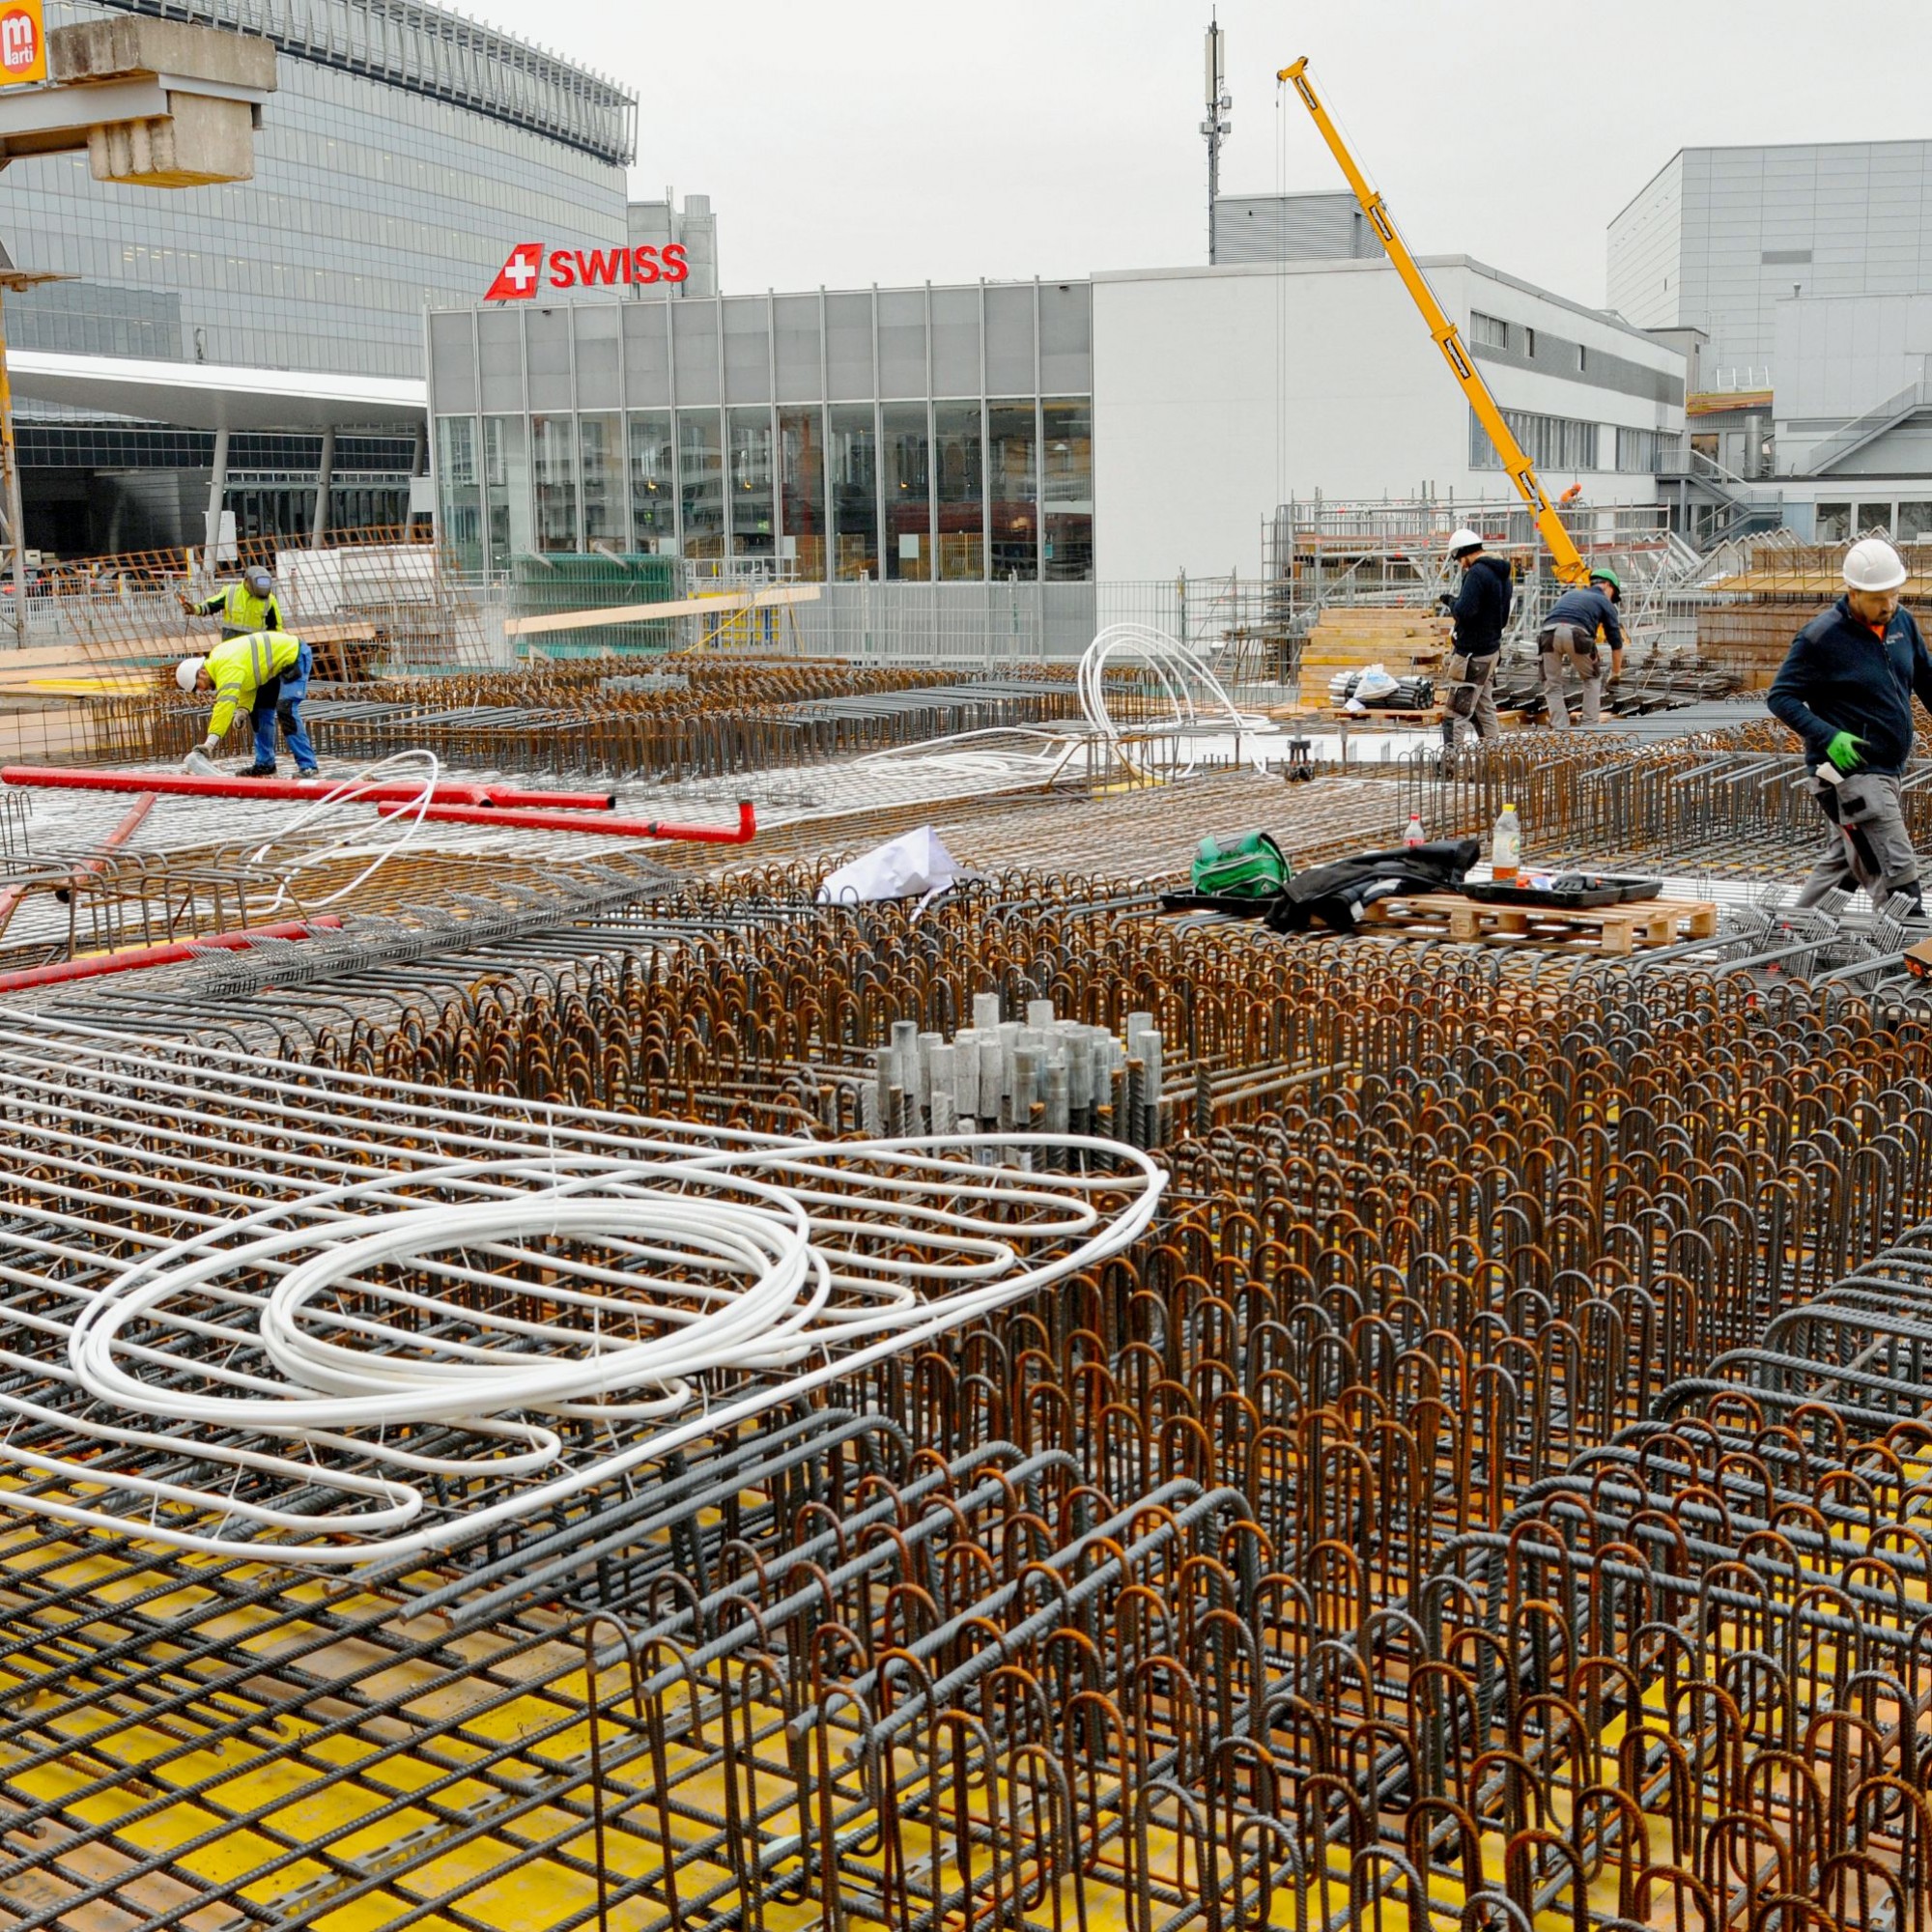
(1608, 575)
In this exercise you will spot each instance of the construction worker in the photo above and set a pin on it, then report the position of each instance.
(246, 607)
(267, 672)
(1568, 642)
(1481, 609)
(1846, 689)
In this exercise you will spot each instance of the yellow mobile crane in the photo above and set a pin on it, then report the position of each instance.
(1567, 558)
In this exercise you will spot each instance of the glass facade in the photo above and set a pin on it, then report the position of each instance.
(911, 434)
(372, 188)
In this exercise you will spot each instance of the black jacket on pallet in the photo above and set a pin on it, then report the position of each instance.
(1333, 896)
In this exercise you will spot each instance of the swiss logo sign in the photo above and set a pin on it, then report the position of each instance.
(529, 266)
(23, 42)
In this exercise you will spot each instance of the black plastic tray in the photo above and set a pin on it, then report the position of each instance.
(1573, 892)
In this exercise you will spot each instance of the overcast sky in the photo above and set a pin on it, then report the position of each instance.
(898, 141)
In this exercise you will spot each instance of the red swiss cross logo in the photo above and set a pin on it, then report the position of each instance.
(517, 279)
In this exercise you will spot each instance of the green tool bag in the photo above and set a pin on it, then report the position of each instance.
(1252, 866)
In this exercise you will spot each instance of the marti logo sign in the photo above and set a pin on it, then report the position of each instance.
(528, 266)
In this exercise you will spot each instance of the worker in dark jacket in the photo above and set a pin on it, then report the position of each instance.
(1568, 642)
(1481, 609)
(1846, 689)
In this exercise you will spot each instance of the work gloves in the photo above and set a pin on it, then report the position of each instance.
(1845, 751)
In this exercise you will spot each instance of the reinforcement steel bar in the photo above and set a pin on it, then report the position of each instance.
(181, 784)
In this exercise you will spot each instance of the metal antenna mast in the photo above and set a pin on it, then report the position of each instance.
(1213, 128)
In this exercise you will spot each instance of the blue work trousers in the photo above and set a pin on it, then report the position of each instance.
(281, 697)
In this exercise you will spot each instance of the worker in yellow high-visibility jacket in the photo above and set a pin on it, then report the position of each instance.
(267, 672)
(246, 606)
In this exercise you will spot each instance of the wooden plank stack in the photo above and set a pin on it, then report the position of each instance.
(1615, 931)
(1353, 637)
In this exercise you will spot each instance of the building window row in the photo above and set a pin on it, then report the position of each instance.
(1550, 443)
(1646, 452)
(948, 492)
(1903, 523)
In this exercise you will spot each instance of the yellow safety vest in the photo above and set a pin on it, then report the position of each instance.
(240, 666)
(243, 612)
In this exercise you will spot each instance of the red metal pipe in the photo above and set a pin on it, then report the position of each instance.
(135, 958)
(741, 833)
(181, 784)
(10, 900)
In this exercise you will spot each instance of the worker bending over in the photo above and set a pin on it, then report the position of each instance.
(1481, 609)
(1846, 689)
(246, 606)
(1568, 642)
(267, 672)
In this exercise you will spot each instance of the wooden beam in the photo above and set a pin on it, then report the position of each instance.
(722, 605)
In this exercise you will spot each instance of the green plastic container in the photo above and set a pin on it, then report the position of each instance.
(1251, 865)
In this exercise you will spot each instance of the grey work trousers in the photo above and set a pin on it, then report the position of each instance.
(1561, 648)
(1867, 845)
(1472, 699)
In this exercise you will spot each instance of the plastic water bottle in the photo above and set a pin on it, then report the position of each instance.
(1414, 835)
(1506, 846)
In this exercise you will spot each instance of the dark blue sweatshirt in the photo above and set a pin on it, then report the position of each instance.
(1482, 607)
(1840, 677)
(1586, 608)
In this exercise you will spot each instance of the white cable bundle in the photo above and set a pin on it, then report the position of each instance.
(402, 827)
(327, 1353)
(1179, 670)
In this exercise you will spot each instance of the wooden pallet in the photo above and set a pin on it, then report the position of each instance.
(1615, 931)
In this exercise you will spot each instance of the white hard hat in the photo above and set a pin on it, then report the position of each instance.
(1872, 564)
(1464, 540)
(187, 670)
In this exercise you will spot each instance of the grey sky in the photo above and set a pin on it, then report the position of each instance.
(897, 141)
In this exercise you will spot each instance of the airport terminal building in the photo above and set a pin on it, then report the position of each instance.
(403, 142)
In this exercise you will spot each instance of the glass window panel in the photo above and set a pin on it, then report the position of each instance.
(598, 445)
(1067, 492)
(459, 492)
(553, 468)
(855, 490)
(908, 493)
(849, 345)
(747, 350)
(452, 364)
(1914, 522)
(596, 324)
(546, 344)
(1833, 523)
(1013, 491)
(694, 337)
(646, 351)
(701, 482)
(748, 477)
(903, 342)
(801, 378)
(653, 484)
(1009, 360)
(957, 477)
(956, 342)
(1874, 517)
(1065, 337)
(499, 338)
(506, 489)
(802, 491)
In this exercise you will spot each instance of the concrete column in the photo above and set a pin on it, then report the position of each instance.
(419, 455)
(324, 476)
(217, 488)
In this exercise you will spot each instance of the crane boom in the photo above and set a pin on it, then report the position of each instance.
(1567, 558)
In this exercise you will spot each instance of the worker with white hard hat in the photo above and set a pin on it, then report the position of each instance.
(246, 606)
(1481, 609)
(1846, 689)
(267, 674)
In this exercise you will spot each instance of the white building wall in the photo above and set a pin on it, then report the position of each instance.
(1219, 393)
(1645, 278)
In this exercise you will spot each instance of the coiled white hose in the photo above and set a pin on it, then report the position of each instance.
(401, 827)
(1179, 672)
(324, 1356)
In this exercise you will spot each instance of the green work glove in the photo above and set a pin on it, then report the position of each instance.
(1843, 751)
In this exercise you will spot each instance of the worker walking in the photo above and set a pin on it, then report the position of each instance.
(246, 607)
(1846, 688)
(1481, 609)
(1568, 644)
(267, 672)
